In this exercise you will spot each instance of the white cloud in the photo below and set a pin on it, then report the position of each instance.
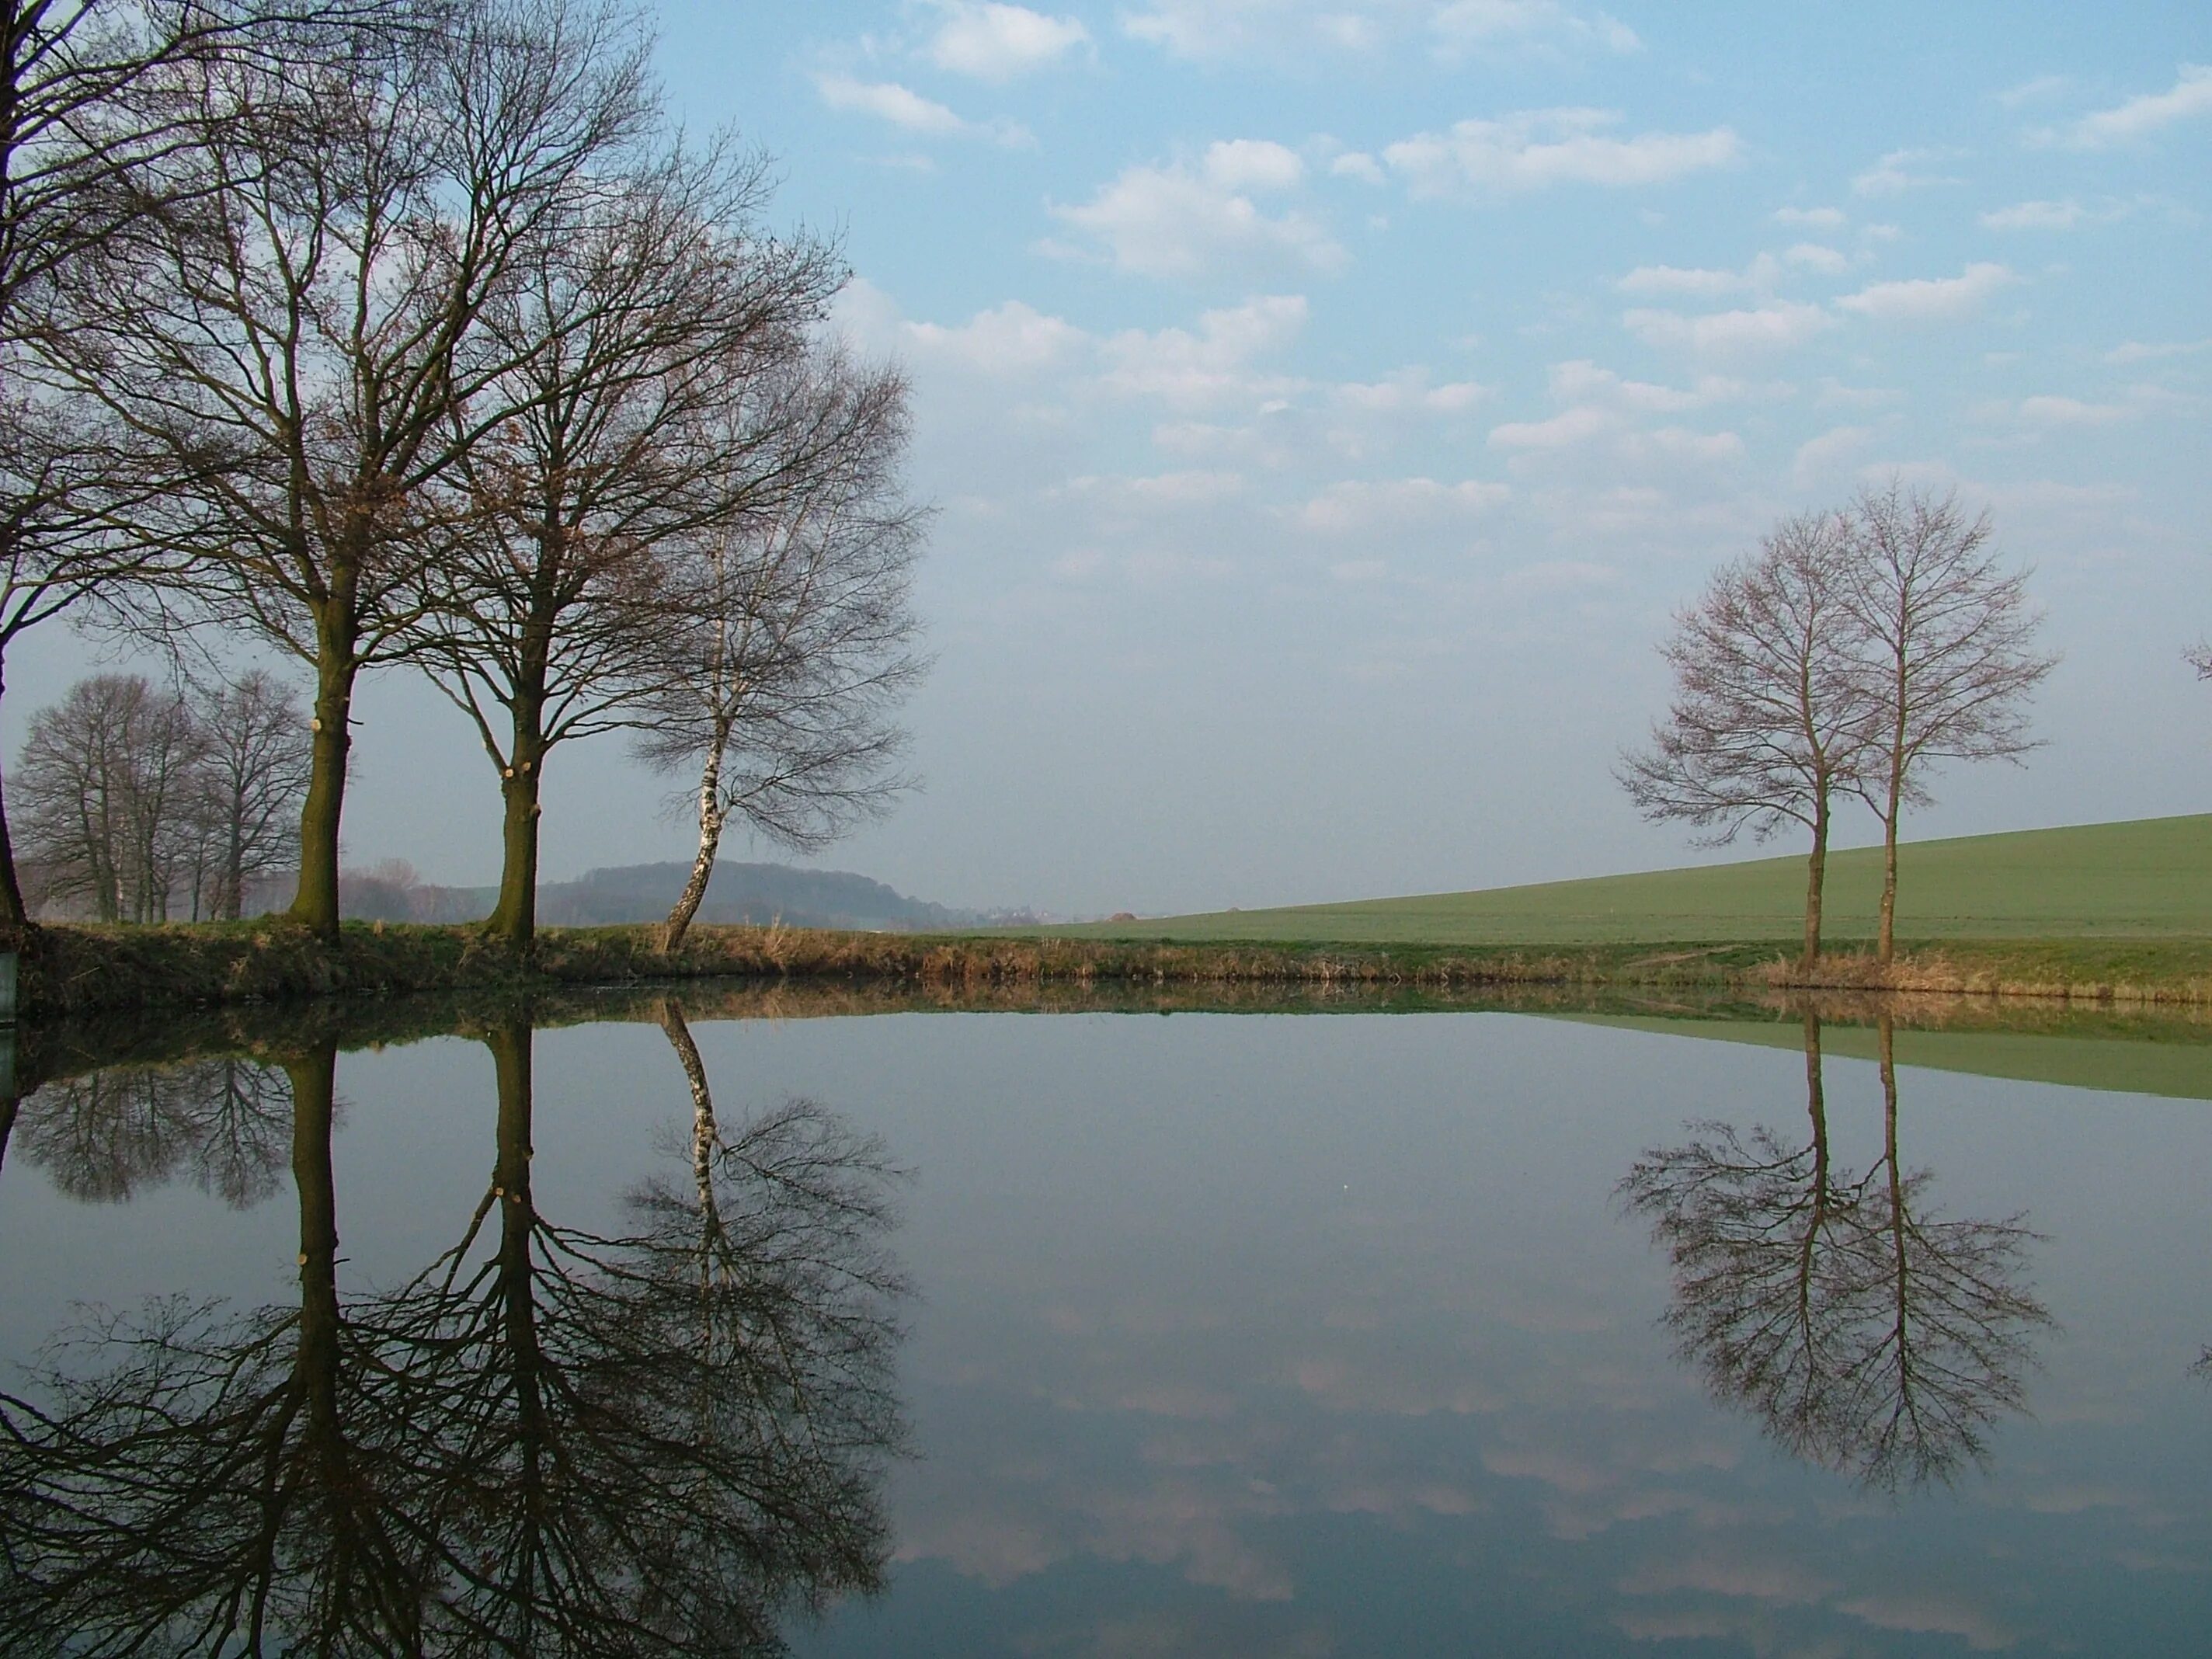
(1489, 22)
(1896, 173)
(1357, 164)
(1676, 279)
(1253, 164)
(1215, 29)
(1821, 457)
(1927, 299)
(1356, 506)
(1214, 364)
(1565, 430)
(1775, 327)
(1816, 256)
(1536, 148)
(1161, 492)
(2189, 96)
(2052, 410)
(2033, 91)
(1014, 338)
(1583, 382)
(1820, 218)
(1178, 221)
(2141, 351)
(999, 43)
(1229, 28)
(910, 110)
(2036, 215)
(1409, 391)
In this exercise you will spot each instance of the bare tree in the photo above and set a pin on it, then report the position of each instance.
(797, 641)
(644, 304)
(1863, 1332)
(1770, 717)
(291, 351)
(105, 781)
(90, 143)
(1948, 636)
(247, 790)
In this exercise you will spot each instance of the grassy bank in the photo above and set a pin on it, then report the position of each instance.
(2149, 879)
(73, 971)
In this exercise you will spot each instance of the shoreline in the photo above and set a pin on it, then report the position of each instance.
(69, 971)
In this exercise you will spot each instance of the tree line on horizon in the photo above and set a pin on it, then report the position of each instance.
(389, 333)
(1859, 648)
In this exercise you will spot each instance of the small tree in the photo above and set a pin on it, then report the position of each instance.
(1771, 714)
(104, 779)
(796, 642)
(1947, 636)
(247, 788)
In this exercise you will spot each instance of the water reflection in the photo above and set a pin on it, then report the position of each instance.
(1864, 1332)
(110, 1133)
(549, 1441)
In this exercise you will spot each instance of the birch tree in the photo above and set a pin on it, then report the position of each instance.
(798, 640)
(1948, 639)
(1770, 716)
(648, 300)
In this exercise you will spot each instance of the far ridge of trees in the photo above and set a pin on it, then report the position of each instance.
(1855, 651)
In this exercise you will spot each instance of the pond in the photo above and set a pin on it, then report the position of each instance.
(871, 1328)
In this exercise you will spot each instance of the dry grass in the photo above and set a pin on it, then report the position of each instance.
(72, 971)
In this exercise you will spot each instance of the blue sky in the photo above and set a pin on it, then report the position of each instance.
(1325, 403)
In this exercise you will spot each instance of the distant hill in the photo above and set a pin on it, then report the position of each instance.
(741, 893)
(2149, 879)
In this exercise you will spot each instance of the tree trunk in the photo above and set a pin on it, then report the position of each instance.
(1886, 948)
(711, 819)
(314, 1092)
(1816, 876)
(14, 917)
(315, 904)
(1816, 1107)
(515, 918)
(510, 1046)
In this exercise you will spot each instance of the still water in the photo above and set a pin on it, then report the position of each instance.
(1103, 1333)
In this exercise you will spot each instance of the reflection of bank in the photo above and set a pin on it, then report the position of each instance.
(549, 1441)
(1864, 1332)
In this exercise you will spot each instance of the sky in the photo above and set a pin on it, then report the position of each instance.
(1326, 405)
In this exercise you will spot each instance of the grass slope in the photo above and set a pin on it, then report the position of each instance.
(2179, 1069)
(2148, 880)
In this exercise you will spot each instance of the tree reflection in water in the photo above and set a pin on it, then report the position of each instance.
(1863, 1332)
(113, 1133)
(548, 1442)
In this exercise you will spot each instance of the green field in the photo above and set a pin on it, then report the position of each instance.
(2181, 1067)
(2148, 880)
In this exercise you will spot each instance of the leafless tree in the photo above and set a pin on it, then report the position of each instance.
(246, 790)
(1947, 637)
(648, 301)
(797, 638)
(91, 143)
(1770, 717)
(137, 799)
(548, 1442)
(105, 783)
(1864, 1334)
(290, 352)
